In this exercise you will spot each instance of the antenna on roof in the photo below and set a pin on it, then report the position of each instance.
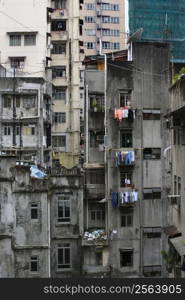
(136, 36)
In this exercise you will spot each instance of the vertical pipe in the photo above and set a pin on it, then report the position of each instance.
(86, 123)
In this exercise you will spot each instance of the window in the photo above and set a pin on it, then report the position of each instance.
(125, 179)
(7, 101)
(15, 40)
(108, 6)
(59, 72)
(59, 93)
(29, 101)
(59, 141)
(32, 130)
(126, 258)
(127, 218)
(108, 19)
(96, 139)
(17, 130)
(152, 233)
(59, 117)
(63, 257)
(110, 32)
(60, 4)
(58, 25)
(59, 48)
(106, 45)
(151, 153)
(17, 62)
(34, 211)
(90, 6)
(152, 271)
(90, 45)
(90, 19)
(96, 215)
(152, 193)
(30, 40)
(151, 114)
(63, 209)
(7, 130)
(124, 98)
(34, 263)
(177, 136)
(17, 101)
(126, 138)
(96, 177)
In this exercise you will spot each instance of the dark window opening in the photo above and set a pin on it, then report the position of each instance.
(34, 264)
(126, 258)
(153, 193)
(126, 139)
(151, 153)
(58, 25)
(63, 257)
(34, 211)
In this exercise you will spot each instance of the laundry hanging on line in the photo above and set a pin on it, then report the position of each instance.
(124, 113)
(119, 198)
(125, 158)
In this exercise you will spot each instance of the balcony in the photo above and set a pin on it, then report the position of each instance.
(124, 198)
(59, 36)
(124, 114)
(95, 190)
(95, 238)
(59, 14)
(125, 157)
(60, 81)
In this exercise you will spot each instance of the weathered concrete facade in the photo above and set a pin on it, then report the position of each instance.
(175, 158)
(134, 228)
(31, 230)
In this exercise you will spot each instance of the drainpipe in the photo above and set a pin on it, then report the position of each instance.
(49, 240)
(105, 125)
(86, 123)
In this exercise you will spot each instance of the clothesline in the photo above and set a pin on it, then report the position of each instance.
(125, 157)
(124, 113)
(119, 198)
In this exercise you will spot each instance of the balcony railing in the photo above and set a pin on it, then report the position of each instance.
(125, 158)
(95, 238)
(124, 113)
(124, 198)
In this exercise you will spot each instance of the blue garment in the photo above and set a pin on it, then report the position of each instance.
(114, 199)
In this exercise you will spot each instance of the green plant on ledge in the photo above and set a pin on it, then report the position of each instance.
(170, 259)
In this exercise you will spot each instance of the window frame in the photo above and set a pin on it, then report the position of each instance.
(64, 265)
(64, 219)
(30, 39)
(13, 42)
(34, 259)
(34, 211)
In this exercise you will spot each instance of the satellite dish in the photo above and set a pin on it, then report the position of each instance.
(136, 36)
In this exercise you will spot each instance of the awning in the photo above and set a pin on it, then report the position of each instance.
(171, 230)
(179, 244)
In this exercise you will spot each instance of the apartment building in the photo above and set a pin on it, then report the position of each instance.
(125, 191)
(175, 162)
(105, 20)
(26, 90)
(66, 56)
